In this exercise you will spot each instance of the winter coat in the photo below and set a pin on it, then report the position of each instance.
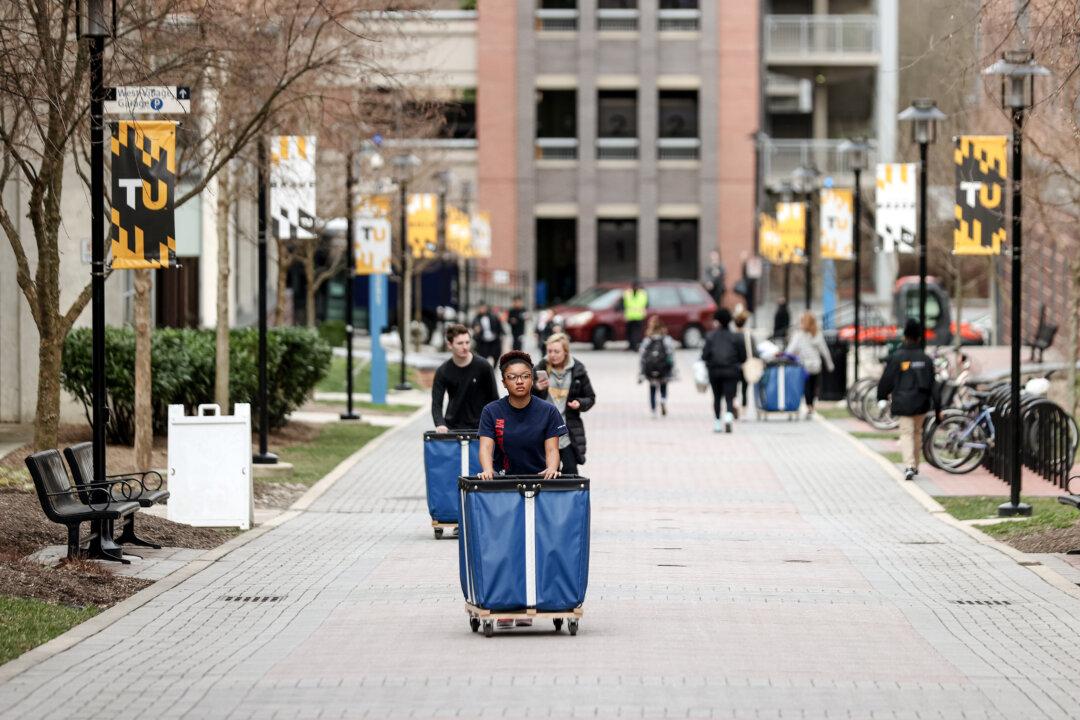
(909, 380)
(724, 353)
(581, 389)
(811, 350)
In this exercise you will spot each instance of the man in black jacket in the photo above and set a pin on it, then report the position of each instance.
(909, 381)
(516, 320)
(467, 379)
(488, 330)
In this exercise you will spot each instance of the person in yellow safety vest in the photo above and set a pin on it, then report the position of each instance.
(635, 305)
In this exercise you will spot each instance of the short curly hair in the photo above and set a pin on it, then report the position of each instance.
(514, 357)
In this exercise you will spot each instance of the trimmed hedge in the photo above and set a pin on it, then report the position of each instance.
(183, 372)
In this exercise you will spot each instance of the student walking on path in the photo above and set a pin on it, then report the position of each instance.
(808, 345)
(488, 331)
(740, 320)
(724, 353)
(563, 381)
(516, 320)
(635, 306)
(467, 379)
(908, 381)
(657, 362)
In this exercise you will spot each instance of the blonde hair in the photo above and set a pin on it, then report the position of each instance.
(808, 323)
(655, 325)
(560, 338)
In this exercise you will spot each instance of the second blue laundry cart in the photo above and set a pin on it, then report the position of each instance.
(524, 549)
(448, 456)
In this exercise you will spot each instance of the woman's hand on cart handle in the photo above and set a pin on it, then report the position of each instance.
(486, 474)
(442, 429)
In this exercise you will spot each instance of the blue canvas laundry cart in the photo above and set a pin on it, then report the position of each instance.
(448, 456)
(780, 389)
(524, 549)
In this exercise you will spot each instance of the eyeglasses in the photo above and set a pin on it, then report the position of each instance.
(515, 378)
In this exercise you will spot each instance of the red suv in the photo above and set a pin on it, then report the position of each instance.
(596, 316)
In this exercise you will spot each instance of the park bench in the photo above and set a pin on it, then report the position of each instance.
(1044, 336)
(80, 459)
(67, 505)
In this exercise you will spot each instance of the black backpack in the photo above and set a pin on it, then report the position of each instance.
(657, 362)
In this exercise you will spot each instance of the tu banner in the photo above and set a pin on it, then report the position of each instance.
(292, 186)
(896, 200)
(836, 223)
(981, 168)
(143, 229)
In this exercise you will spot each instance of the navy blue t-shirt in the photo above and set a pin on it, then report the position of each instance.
(519, 435)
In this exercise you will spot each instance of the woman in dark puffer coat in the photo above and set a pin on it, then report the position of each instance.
(568, 388)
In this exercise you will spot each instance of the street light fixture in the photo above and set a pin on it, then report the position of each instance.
(404, 167)
(923, 114)
(445, 179)
(857, 152)
(804, 181)
(1018, 70)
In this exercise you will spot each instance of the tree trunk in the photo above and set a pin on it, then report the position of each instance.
(309, 285)
(283, 263)
(1074, 336)
(144, 411)
(50, 350)
(221, 340)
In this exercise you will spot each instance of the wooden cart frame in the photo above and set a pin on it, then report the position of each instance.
(479, 617)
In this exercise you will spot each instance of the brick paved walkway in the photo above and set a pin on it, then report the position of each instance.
(773, 573)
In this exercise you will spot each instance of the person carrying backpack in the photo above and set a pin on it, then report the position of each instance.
(908, 381)
(657, 362)
(724, 353)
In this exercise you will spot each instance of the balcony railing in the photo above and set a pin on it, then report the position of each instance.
(781, 157)
(838, 39)
(616, 20)
(556, 148)
(556, 20)
(617, 148)
(433, 143)
(677, 148)
(678, 20)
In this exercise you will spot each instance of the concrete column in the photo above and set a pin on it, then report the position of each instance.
(885, 268)
(709, 120)
(587, 177)
(526, 114)
(648, 122)
(821, 115)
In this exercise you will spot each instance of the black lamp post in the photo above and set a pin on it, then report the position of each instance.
(1018, 70)
(350, 310)
(857, 152)
(264, 456)
(923, 114)
(804, 181)
(94, 26)
(404, 167)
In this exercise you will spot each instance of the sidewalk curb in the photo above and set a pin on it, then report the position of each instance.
(103, 620)
(932, 506)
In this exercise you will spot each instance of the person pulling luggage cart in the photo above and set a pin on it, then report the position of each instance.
(517, 509)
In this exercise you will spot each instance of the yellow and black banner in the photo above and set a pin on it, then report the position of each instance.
(143, 195)
(981, 167)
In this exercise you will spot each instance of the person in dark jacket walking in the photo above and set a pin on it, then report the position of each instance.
(516, 320)
(488, 330)
(724, 353)
(564, 382)
(908, 381)
(781, 321)
(467, 379)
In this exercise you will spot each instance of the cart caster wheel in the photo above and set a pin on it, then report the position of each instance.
(474, 623)
(489, 628)
(438, 533)
(558, 624)
(572, 626)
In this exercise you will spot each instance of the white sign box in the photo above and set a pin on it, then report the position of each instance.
(147, 100)
(210, 467)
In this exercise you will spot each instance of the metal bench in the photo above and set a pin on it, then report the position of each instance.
(71, 506)
(1044, 336)
(143, 488)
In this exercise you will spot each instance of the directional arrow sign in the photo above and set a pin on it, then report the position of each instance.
(147, 100)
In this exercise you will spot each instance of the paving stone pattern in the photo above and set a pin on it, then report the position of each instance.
(772, 573)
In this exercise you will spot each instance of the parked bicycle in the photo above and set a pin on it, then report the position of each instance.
(958, 441)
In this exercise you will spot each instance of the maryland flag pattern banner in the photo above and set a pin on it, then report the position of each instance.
(373, 243)
(422, 228)
(481, 235)
(143, 194)
(458, 232)
(836, 222)
(769, 239)
(896, 207)
(981, 167)
(791, 224)
(292, 186)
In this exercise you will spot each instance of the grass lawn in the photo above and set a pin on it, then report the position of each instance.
(892, 456)
(335, 442)
(387, 409)
(26, 623)
(335, 376)
(840, 412)
(1046, 514)
(874, 435)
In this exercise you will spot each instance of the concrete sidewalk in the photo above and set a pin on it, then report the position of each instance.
(776, 572)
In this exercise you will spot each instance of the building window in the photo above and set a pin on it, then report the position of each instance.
(617, 125)
(556, 260)
(678, 125)
(557, 15)
(678, 16)
(556, 124)
(616, 250)
(678, 4)
(459, 117)
(678, 251)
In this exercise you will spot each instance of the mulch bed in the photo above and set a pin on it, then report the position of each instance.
(1057, 540)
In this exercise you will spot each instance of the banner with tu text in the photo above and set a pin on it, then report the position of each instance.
(981, 168)
(143, 229)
